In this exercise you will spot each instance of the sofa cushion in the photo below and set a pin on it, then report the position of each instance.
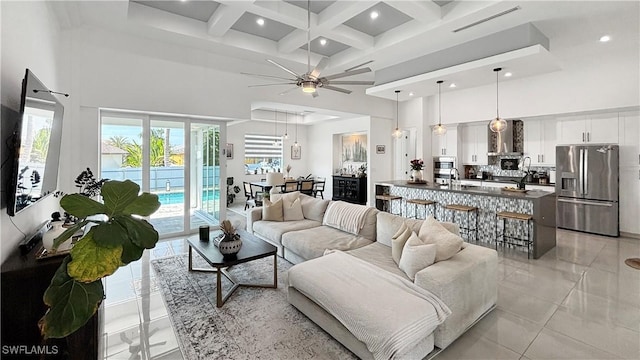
(313, 208)
(272, 211)
(388, 224)
(311, 243)
(379, 255)
(447, 244)
(292, 210)
(416, 256)
(273, 230)
(368, 231)
(398, 240)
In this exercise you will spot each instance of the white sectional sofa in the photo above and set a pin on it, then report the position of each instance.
(466, 282)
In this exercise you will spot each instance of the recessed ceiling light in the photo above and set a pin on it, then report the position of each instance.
(411, 93)
(452, 85)
(605, 38)
(323, 42)
(507, 74)
(260, 21)
(374, 14)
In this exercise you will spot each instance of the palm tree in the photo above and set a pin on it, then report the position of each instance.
(121, 142)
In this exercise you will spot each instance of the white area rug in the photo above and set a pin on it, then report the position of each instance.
(254, 323)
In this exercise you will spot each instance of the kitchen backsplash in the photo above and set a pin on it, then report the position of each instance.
(494, 167)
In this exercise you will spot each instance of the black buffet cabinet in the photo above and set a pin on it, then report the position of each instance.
(24, 281)
(350, 189)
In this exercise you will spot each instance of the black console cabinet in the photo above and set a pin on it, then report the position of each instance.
(24, 281)
(350, 189)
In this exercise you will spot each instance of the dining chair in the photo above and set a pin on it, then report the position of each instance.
(290, 186)
(249, 194)
(318, 187)
(306, 187)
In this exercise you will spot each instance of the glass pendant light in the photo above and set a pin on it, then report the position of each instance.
(286, 128)
(397, 133)
(275, 133)
(296, 142)
(498, 124)
(439, 129)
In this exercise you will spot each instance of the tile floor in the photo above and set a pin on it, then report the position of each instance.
(579, 301)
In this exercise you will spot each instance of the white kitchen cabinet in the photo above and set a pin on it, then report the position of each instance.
(629, 138)
(630, 199)
(540, 141)
(474, 144)
(585, 129)
(445, 145)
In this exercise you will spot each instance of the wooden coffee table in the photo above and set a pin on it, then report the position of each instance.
(252, 249)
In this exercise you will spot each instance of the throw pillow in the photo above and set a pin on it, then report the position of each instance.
(416, 256)
(292, 211)
(398, 240)
(272, 211)
(447, 243)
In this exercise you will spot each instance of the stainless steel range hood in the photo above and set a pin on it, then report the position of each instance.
(507, 143)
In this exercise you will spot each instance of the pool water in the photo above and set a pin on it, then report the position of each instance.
(172, 198)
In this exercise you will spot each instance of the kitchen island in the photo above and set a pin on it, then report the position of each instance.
(489, 201)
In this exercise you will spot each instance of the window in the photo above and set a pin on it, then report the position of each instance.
(262, 154)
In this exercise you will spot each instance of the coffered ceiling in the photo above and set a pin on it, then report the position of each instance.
(403, 40)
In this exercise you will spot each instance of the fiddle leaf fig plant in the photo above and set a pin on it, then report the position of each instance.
(118, 236)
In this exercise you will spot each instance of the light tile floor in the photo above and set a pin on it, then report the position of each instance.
(579, 301)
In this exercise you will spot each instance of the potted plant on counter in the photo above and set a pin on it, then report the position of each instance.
(117, 235)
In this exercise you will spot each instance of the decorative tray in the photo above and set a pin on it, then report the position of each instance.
(511, 189)
(417, 182)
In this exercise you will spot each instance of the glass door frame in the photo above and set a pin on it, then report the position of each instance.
(146, 119)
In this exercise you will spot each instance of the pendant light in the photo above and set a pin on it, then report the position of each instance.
(498, 124)
(439, 129)
(397, 133)
(296, 142)
(275, 133)
(286, 128)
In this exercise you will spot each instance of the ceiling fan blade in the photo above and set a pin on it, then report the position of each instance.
(329, 87)
(288, 91)
(357, 66)
(266, 76)
(318, 69)
(347, 73)
(283, 68)
(351, 82)
(289, 83)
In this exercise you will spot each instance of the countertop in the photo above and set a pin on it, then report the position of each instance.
(474, 190)
(509, 180)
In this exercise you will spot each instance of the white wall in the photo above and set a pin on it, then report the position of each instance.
(30, 39)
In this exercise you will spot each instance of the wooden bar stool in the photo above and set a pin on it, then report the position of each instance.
(464, 209)
(387, 203)
(513, 238)
(422, 202)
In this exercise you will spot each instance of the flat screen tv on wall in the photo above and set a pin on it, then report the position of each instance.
(36, 146)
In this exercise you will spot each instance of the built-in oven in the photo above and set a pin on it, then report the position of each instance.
(442, 168)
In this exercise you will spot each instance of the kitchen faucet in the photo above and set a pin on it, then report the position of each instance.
(451, 174)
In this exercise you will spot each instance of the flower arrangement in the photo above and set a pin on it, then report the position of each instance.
(228, 230)
(417, 164)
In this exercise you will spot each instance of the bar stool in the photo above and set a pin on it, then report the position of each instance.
(523, 219)
(417, 202)
(464, 209)
(387, 203)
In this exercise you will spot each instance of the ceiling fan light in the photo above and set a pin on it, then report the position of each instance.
(308, 87)
(498, 125)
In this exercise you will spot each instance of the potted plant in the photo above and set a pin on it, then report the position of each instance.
(230, 242)
(117, 236)
(416, 169)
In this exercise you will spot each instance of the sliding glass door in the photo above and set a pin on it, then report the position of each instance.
(175, 158)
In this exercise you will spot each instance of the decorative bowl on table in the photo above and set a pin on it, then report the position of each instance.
(229, 243)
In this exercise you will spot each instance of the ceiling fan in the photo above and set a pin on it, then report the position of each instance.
(310, 81)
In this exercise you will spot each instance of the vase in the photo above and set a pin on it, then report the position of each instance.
(416, 175)
(229, 246)
(55, 231)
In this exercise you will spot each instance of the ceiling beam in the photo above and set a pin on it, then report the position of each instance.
(223, 19)
(279, 11)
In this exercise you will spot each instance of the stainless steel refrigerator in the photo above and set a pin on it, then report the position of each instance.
(587, 188)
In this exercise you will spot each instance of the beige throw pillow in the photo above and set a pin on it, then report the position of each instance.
(398, 240)
(272, 211)
(292, 210)
(447, 244)
(416, 256)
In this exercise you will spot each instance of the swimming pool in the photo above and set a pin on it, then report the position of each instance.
(172, 198)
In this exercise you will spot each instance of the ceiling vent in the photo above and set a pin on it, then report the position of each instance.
(487, 19)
